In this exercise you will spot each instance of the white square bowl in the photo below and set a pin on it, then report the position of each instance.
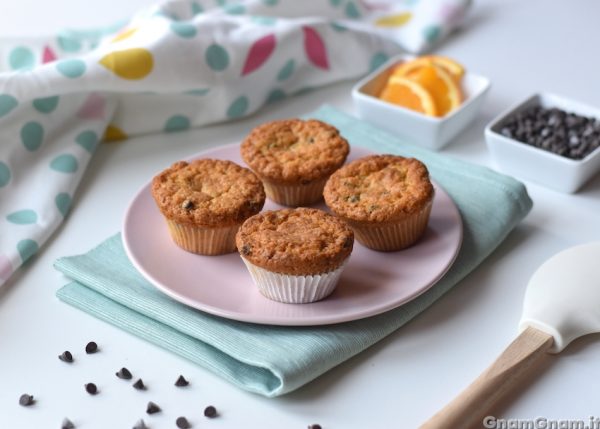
(538, 165)
(428, 131)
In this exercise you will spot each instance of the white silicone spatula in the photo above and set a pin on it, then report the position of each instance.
(562, 303)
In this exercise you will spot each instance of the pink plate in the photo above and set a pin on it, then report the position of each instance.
(373, 282)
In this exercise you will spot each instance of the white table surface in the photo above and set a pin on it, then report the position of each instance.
(522, 46)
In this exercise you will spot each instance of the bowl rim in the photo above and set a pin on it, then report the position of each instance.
(357, 93)
(491, 133)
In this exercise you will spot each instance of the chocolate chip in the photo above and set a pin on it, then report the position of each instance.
(210, 412)
(66, 356)
(348, 242)
(91, 388)
(91, 347)
(67, 424)
(181, 381)
(139, 385)
(140, 424)
(124, 374)
(246, 250)
(152, 408)
(26, 400)
(182, 423)
(187, 205)
(314, 426)
(554, 130)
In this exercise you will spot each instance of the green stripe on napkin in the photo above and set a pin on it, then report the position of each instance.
(272, 360)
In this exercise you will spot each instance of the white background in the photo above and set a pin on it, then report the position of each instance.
(523, 47)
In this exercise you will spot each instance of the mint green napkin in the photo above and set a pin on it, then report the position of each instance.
(272, 360)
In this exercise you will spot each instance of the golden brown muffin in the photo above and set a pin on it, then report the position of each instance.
(386, 199)
(295, 255)
(205, 202)
(294, 158)
(300, 241)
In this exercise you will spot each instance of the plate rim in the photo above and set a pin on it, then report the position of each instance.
(271, 320)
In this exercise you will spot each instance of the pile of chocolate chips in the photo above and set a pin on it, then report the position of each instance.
(563, 133)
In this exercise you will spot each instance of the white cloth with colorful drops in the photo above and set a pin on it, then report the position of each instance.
(177, 65)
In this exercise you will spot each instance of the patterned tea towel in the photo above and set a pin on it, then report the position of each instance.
(177, 65)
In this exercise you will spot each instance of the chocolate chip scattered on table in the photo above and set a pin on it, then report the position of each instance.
(66, 356)
(67, 424)
(140, 424)
(91, 347)
(124, 374)
(181, 381)
(182, 423)
(139, 384)
(210, 412)
(26, 400)
(554, 130)
(152, 408)
(91, 388)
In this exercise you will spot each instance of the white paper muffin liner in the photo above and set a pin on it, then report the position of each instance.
(292, 289)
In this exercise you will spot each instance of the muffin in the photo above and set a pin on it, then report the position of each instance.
(386, 200)
(294, 158)
(295, 255)
(205, 201)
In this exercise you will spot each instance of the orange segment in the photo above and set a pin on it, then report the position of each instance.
(407, 93)
(410, 67)
(455, 69)
(443, 88)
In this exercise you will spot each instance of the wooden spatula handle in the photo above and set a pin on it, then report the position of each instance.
(469, 408)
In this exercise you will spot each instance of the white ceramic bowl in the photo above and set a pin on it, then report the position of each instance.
(537, 165)
(431, 132)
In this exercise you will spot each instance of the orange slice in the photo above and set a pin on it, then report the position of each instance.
(444, 90)
(450, 66)
(410, 94)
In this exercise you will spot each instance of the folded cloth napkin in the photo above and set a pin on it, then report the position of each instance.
(273, 360)
(176, 65)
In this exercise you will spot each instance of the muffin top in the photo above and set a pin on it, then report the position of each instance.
(298, 241)
(208, 192)
(379, 188)
(294, 151)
